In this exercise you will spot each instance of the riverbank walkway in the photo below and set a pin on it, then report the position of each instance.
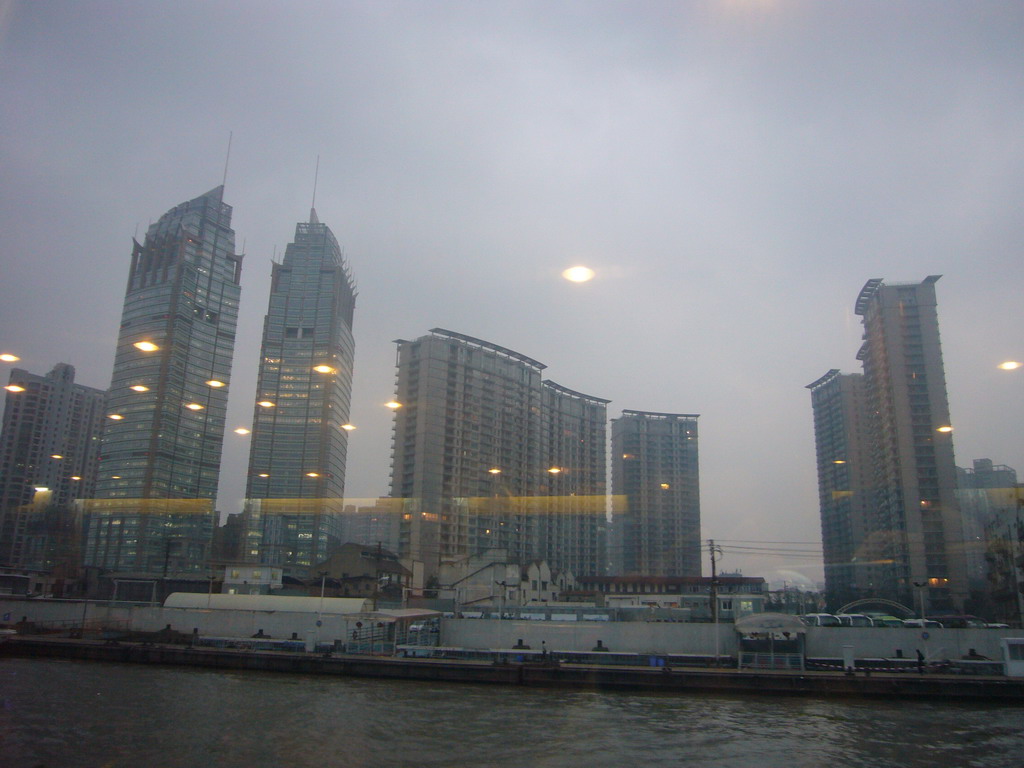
(536, 674)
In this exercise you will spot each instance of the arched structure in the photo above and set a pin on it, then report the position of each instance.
(848, 608)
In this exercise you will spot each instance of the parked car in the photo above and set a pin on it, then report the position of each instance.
(960, 622)
(925, 623)
(855, 620)
(883, 620)
(821, 620)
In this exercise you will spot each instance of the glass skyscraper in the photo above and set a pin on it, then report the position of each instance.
(296, 485)
(161, 448)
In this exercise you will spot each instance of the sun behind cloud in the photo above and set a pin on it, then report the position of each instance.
(578, 274)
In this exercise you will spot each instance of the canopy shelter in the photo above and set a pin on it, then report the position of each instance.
(771, 641)
(778, 623)
(382, 630)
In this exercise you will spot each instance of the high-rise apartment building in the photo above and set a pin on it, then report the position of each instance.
(993, 508)
(914, 535)
(655, 470)
(487, 455)
(296, 484)
(572, 529)
(161, 449)
(844, 486)
(49, 452)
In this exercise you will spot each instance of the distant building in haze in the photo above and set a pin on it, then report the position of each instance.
(993, 508)
(49, 452)
(844, 486)
(296, 483)
(372, 524)
(488, 455)
(153, 511)
(655, 473)
(913, 529)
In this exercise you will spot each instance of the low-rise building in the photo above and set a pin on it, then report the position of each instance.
(737, 595)
(492, 577)
(358, 570)
(251, 579)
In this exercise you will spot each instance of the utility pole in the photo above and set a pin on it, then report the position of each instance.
(715, 553)
(376, 574)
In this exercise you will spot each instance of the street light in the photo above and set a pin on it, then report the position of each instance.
(920, 595)
(320, 610)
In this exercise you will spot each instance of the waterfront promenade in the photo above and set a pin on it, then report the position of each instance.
(536, 674)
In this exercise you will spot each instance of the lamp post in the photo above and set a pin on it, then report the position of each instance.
(920, 597)
(501, 609)
(320, 609)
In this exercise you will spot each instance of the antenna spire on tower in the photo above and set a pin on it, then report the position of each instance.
(227, 158)
(312, 208)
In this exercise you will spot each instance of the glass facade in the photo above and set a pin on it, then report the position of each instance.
(296, 482)
(154, 506)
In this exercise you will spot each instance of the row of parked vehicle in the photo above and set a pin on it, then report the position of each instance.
(879, 620)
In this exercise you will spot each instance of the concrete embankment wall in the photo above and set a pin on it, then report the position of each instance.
(623, 637)
(212, 623)
(617, 636)
(887, 642)
(699, 639)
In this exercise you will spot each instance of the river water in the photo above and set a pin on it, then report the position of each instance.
(61, 714)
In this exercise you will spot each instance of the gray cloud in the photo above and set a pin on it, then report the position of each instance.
(733, 171)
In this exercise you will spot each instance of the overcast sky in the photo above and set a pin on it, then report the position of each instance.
(733, 171)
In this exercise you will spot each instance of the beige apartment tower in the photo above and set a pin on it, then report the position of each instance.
(489, 455)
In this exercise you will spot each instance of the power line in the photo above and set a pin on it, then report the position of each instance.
(761, 541)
